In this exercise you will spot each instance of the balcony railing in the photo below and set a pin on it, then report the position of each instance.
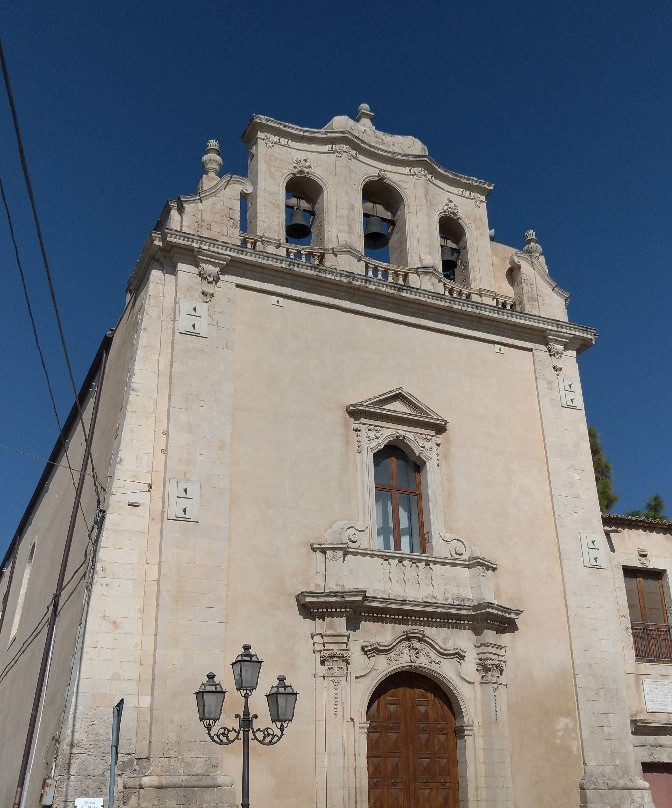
(653, 642)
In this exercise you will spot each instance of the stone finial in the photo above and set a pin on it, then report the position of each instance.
(364, 115)
(211, 160)
(532, 246)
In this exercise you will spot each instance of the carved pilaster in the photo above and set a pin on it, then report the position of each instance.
(333, 655)
(336, 664)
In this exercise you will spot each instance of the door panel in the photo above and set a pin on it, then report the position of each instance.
(659, 778)
(412, 750)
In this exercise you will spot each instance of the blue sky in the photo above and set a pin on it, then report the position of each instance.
(564, 106)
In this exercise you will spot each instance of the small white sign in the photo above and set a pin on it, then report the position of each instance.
(657, 695)
(569, 393)
(89, 802)
(592, 551)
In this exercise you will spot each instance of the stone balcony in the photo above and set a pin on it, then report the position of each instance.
(421, 588)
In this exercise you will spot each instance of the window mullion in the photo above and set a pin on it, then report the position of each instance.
(396, 527)
(661, 594)
(642, 600)
(421, 521)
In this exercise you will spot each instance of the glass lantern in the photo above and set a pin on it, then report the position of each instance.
(281, 702)
(209, 700)
(246, 670)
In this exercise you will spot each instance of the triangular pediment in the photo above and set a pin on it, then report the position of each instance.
(398, 406)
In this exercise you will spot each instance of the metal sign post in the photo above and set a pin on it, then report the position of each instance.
(114, 749)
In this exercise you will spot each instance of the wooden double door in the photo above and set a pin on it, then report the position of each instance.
(412, 749)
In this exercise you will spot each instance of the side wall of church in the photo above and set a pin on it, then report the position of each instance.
(33, 582)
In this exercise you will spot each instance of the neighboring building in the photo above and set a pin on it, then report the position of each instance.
(641, 560)
(375, 471)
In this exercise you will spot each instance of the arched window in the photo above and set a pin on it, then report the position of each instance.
(398, 485)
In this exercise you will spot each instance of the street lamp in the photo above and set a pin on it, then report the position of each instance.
(281, 703)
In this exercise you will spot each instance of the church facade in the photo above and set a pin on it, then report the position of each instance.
(347, 429)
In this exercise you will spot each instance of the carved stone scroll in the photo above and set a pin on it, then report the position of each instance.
(209, 275)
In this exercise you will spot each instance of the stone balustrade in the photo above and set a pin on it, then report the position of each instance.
(361, 264)
(405, 576)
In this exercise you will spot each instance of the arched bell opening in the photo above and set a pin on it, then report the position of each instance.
(384, 223)
(304, 212)
(412, 749)
(453, 244)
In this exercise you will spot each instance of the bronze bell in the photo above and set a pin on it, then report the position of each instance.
(298, 226)
(375, 233)
(449, 256)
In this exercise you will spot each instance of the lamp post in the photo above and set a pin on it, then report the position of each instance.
(281, 703)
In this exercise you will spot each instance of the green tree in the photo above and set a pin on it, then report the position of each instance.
(602, 469)
(655, 507)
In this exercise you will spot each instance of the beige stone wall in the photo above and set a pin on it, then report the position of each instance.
(47, 527)
(291, 394)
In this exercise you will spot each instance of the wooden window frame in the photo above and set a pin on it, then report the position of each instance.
(395, 490)
(639, 576)
(652, 640)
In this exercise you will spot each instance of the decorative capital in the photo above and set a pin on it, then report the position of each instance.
(212, 160)
(490, 662)
(335, 661)
(532, 246)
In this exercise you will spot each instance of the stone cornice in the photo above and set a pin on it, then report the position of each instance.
(541, 271)
(613, 520)
(216, 189)
(359, 603)
(480, 188)
(578, 337)
(415, 558)
(381, 408)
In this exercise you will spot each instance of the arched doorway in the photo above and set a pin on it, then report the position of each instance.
(411, 745)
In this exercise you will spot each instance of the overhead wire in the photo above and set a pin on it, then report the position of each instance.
(45, 261)
(56, 464)
(36, 337)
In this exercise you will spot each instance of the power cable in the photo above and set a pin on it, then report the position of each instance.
(36, 337)
(52, 291)
(44, 459)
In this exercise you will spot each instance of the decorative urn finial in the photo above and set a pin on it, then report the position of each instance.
(212, 164)
(364, 115)
(532, 246)
(211, 160)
